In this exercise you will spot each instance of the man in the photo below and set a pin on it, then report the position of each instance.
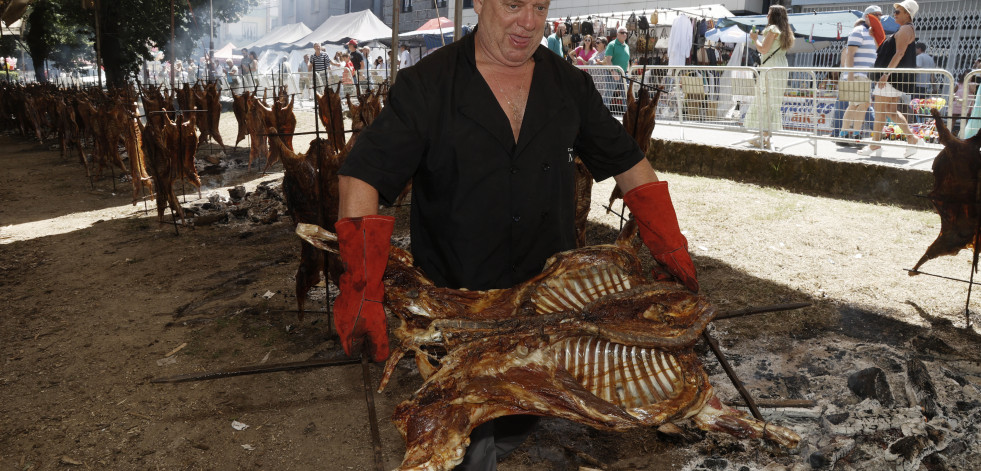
(859, 52)
(487, 128)
(618, 53)
(404, 59)
(319, 63)
(924, 82)
(357, 59)
(555, 40)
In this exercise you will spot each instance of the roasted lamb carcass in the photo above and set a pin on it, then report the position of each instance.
(589, 340)
(956, 194)
(206, 99)
(310, 187)
(329, 112)
(240, 108)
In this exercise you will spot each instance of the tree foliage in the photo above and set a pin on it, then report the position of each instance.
(131, 29)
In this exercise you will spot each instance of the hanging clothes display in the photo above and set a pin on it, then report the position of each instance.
(680, 41)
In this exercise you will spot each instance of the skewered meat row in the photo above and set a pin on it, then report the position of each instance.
(589, 340)
(955, 195)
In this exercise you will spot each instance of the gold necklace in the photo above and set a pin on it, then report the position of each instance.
(517, 113)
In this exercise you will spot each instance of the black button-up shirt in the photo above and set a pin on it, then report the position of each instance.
(486, 211)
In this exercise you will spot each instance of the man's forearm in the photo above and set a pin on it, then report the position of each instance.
(637, 175)
(357, 198)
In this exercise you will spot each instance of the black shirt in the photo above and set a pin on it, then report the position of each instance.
(486, 212)
(356, 59)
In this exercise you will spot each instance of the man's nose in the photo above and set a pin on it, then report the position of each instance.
(527, 19)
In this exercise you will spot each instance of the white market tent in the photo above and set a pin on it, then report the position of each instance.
(227, 52)
(281, 36)
(13, 29)
(337, 29)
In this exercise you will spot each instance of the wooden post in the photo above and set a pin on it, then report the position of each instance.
(173, 54)
(457, 19)
(394, 52)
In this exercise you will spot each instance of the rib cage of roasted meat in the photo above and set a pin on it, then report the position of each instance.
(590, 339)
(955, 195)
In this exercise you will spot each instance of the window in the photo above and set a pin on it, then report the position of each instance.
(441, 3)
(314, 6)
(250, 30)
(467, 3)
(406, 6)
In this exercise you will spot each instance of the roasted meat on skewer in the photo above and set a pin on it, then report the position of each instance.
(590, 339)
(955, 195)
(639, 123)
(310, 187)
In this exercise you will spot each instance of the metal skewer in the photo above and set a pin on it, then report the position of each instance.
(369, 397)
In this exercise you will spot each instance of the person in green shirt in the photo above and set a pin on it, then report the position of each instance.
(618, 53)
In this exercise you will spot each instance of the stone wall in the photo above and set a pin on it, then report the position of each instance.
(822, 177)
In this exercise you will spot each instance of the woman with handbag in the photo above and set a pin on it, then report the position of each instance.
(898, 51)
(764, 114)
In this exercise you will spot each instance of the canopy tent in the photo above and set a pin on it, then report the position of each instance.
(436, 23)
(227, 52)
(341, 28)
(732, 34)
(13, 29)
(281, 36)
(817, 26)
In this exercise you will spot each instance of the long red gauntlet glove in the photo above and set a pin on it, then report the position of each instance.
(358, 312)
(651, 206)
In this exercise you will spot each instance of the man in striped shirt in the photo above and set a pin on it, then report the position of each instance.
(319, 63)
(859, 52)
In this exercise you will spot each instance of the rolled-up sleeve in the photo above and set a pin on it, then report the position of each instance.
(388, 152)
(603, 143)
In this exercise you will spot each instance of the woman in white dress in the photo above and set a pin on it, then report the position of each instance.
(764, 115)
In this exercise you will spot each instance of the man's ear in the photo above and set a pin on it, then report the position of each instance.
(477, 6)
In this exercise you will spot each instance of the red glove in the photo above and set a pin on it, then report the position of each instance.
(358, 311)
(651, 206)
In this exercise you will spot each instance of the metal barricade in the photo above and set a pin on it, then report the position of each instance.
(806, 103)
(611, 84)
(713, 97)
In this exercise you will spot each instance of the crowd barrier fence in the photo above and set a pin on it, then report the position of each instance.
(804, 103)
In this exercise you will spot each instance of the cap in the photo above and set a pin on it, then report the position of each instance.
(353, 42)
(910, 6)
(872, 10)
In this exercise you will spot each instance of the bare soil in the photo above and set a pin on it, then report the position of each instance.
(98, 298)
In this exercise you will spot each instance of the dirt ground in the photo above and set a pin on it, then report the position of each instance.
(98, 298)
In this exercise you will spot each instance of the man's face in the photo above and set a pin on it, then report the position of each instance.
(561, 30)
(351, 47)
(510, 30)
(316, 48)
(622, 36)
